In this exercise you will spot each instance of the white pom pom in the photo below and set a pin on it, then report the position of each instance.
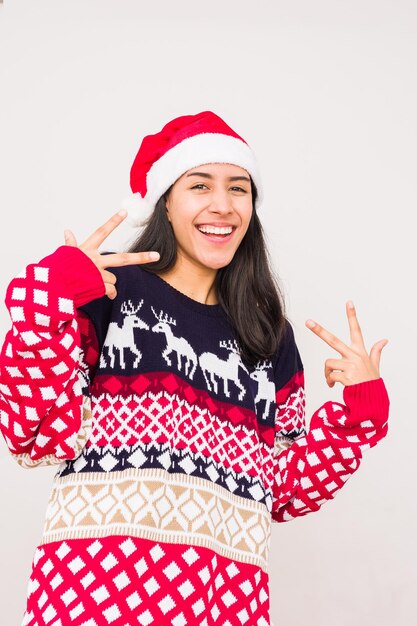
(138, 209)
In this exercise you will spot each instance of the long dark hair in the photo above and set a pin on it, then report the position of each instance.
(247, 288)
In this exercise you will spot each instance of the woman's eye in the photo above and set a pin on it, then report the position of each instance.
(201, 185)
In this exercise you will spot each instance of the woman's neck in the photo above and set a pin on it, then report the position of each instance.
(195, 282)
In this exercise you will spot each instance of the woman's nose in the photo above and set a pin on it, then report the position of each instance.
(221, 202)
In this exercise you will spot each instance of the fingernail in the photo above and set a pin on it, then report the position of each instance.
(154, 256)
(310, 323)
(350, 304)
(122, 212)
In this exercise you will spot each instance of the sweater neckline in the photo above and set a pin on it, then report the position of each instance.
(214, 310)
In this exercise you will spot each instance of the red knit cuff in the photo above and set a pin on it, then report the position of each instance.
(79, 276)
(367, 400)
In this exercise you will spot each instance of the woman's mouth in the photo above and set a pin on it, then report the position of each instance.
(217, 234)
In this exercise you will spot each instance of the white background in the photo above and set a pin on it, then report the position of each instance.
(325, 93)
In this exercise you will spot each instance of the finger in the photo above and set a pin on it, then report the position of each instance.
(327, 374)
(355, 329)
(110, 291)
(331, 365)
(108, 277)
(336, 377)
(329, 382)
(329, 338)
(128, 258)
(335, 364)
(98, 236)
(376, 350)
(69, 238)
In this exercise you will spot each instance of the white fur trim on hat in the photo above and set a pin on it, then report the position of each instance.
(199, 150)
(138, 209)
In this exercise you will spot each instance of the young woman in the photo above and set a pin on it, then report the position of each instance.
(167, 384)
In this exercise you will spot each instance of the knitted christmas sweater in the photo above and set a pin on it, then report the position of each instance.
(174, 458)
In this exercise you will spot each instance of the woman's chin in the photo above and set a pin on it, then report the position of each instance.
(216, 261)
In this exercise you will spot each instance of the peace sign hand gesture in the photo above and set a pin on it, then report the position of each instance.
(356, 366)
(92, 243)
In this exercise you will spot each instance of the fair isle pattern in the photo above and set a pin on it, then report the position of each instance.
(43, 373)
(290, 408)
(177, 458)
(174, 460)
(78, 444)
(124, 581)
(155, 505)
(322, 461)
(172, 426)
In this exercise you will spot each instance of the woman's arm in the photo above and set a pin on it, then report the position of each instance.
(311, 467)
(44, 363)
(47, 358)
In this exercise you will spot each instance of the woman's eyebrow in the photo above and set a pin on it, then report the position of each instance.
(205, 175)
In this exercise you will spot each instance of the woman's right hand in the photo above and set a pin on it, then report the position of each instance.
(92, 243)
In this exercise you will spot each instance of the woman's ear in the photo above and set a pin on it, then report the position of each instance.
(167, 204)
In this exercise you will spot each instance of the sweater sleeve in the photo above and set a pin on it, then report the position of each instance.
(311, 467)
(48, 358)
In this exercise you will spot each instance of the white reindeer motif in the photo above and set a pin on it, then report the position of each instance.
(266, 387)
(227, 369)
(121, 338)
(175, 344)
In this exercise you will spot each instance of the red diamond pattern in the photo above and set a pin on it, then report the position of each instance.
(125, 581)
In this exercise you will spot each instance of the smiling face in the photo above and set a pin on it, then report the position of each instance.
(215, 197)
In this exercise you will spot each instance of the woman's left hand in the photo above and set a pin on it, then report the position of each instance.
(356, 366)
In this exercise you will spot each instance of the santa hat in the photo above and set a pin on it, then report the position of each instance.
(184, 143)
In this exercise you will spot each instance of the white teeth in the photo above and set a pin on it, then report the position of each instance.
(226, 230)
